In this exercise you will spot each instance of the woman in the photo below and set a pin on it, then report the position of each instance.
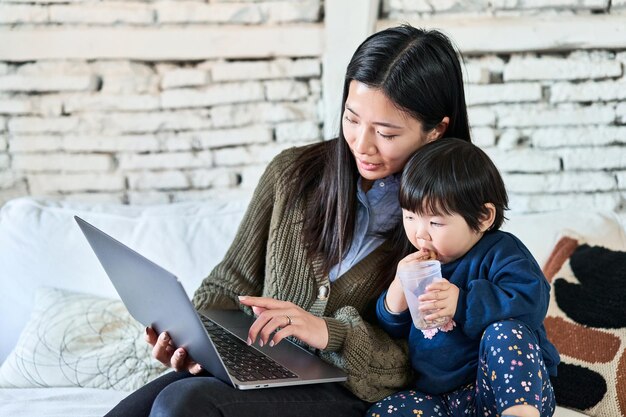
(311, 255)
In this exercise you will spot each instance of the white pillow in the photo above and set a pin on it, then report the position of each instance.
(41, 245)
(541, 231)
(79, 340)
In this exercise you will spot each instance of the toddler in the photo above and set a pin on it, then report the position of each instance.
(491, 357)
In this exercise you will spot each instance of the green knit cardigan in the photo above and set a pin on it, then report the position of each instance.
(267, 258)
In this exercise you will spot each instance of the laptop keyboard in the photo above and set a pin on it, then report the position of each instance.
(244, 362)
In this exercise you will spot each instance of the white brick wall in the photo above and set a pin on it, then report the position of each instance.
(397, 9)
(250, 175)
(484, 137)
(217, 138)
(42, 184)
(280, 68)
(286, 90)
(36, 144)
(524, 160)
(145, 133)
(161, 180)
(220, 13)
(147, 122)
(570, 201)
(608, 157)
(480, 116)
(550, 4)
(4, 161)
(559, 183)
(111, 103)
(195, 12)
(588, 92)
(40, 84)
(620, 113)
(14, 14)
(43, 125)
(527, 68)
(520, 116)
(27, 105)
(184, 77)
(155, 129)
(212, 178)
(106, 13)
(213, 95)
(170, 160)
(129, 143)
(502, 93)
(401, 8)
(266, 112)
(575, 137)
(61, 162)
(298, 131)
(621, 179)
(554, 123)
(7, 179)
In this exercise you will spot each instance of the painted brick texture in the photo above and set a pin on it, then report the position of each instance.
(145, 131)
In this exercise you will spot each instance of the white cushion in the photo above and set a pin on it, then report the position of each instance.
(541, 231)
(41, 245)
(58, 402)
(79, 340)
(566, 412)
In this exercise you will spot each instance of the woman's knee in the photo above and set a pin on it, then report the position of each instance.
(182, 398)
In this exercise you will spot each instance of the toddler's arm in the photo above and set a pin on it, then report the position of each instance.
(395, 301)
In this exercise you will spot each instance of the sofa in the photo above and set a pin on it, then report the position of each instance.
(69, 347)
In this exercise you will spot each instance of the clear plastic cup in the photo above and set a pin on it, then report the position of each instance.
(415, 278)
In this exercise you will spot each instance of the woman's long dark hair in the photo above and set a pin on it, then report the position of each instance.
(420, 72)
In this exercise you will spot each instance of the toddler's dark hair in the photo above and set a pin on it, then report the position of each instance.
(449, 176)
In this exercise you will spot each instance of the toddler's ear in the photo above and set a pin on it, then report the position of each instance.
(487, 220)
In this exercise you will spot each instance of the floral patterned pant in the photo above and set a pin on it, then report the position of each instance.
(511, 372)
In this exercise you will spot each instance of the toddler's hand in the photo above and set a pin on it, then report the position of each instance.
(419, 256)
(440, 297)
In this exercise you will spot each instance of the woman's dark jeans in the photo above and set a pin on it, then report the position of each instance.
(182, 394)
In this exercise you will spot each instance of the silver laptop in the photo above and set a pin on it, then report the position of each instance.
(213, 338)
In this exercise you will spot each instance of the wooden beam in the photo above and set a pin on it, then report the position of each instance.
(156, 44)
(479, 35)
(347, 24)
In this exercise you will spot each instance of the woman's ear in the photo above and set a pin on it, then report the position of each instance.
(489, 217)
(438, 131)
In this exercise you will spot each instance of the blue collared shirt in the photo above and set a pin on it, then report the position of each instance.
(377, 212)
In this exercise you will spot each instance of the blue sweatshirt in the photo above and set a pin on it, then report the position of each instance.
(498, 279)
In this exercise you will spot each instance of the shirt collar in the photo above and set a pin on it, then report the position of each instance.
(380, 187)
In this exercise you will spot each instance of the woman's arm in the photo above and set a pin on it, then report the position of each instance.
(377, 365)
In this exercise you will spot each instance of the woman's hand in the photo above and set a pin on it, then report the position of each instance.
(285, 319)
(441, 296)
(165, 352)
